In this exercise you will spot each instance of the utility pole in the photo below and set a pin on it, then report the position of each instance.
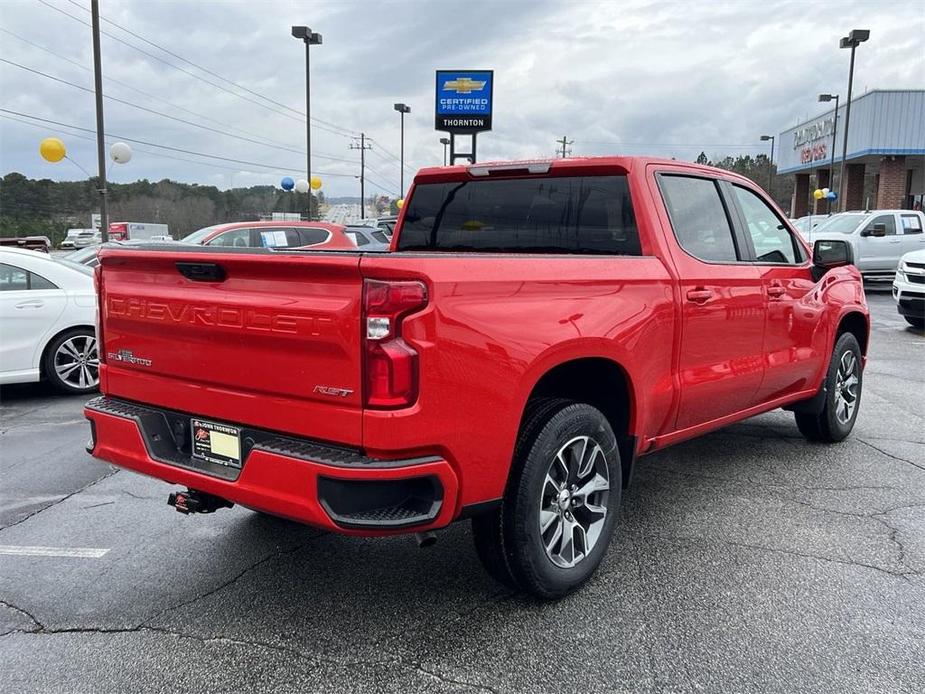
(565, 142)
(854, 38)
(100, 133)
(362, 145)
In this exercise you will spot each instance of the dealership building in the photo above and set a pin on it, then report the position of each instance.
(886, 147)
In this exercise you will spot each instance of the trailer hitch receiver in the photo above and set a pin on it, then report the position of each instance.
(192, 501)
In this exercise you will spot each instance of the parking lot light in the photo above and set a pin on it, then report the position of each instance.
(854, 39)
(402, 109)
(824, 98)
(765, 138)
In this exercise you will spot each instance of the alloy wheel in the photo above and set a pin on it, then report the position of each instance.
(573, 502)
(847, 380)
(77, 362)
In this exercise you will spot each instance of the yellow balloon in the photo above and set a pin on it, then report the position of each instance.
(52, 149)
(400, 203)
(818, 194)
(316, 182)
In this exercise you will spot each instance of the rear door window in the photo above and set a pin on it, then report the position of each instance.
(912, 223)
(699, 218)
(563, 214)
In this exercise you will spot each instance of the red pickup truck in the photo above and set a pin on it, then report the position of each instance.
(536, 327)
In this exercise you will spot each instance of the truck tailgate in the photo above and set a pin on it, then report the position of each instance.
(271, 340)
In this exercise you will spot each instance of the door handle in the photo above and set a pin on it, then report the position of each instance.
(776, 291)
(699, 296)
(32, 303)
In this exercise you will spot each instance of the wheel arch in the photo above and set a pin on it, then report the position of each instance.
(858, 324)
(602, 383)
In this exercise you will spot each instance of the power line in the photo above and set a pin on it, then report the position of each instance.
(214, 74)
(191, 74)
(181, 150)
(140, 149)
(135, 89)
(169, 117)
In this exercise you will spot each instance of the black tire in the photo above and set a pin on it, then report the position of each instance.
(915, 321)
(54, 357)
(509, 541)
(828, 426)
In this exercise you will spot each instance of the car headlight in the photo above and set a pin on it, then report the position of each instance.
(903, 268)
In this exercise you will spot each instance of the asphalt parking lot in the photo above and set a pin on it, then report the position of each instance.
(748, 560)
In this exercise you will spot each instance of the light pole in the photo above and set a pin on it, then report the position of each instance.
(854, 39)
(823, 98)
(402, 109)
(765, 138)
(445, 141)
(100, 133)
(310, 38)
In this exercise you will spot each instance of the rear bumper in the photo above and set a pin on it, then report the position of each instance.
(333, 488)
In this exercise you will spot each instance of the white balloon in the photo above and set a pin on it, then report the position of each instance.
(121, 153)
(302, 185)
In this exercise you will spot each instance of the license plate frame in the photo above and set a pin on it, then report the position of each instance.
(215, 442)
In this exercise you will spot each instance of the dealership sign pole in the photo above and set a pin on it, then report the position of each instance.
(463, 106)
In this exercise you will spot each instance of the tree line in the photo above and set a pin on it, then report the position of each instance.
(757, 169)
(45, 207)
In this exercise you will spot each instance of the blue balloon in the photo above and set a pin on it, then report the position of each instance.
(832, 195)
(287, 183)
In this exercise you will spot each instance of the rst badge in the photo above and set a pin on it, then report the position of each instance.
(128, 357)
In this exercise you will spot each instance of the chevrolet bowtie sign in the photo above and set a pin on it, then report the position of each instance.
(463, 103)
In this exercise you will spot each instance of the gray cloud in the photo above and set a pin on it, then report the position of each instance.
(641, 74)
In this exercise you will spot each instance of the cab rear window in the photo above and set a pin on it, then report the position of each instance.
(565, 214)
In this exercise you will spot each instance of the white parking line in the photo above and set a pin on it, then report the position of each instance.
(74, 552)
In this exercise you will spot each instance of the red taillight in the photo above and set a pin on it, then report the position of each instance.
(391, 366)
(98, 286)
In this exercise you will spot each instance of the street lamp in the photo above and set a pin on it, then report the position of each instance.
(824, 98)
(402, 109)
(765, 138)
(310, 38)
(445, 141)
(854, 39)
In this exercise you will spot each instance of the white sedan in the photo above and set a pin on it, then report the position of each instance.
(47, 317)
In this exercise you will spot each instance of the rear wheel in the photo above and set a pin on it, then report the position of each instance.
(71, 362)
(843, 382)
(557, 516)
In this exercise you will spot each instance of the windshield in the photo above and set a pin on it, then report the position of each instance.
(841, 224)
(198, 236)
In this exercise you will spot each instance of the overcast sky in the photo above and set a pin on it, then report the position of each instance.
(662, 78)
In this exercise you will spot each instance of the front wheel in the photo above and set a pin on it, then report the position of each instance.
(843, 383)
(557, 516)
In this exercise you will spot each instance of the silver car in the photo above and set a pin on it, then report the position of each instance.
(879, 238)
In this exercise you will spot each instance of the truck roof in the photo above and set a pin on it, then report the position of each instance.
(597, 164)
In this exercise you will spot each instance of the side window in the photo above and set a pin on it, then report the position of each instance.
(699, 218)
(39, 282)
(239, 238)
(310, 236)
(13, 279)
(770, 237)
(912, 223)
(887, 220)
